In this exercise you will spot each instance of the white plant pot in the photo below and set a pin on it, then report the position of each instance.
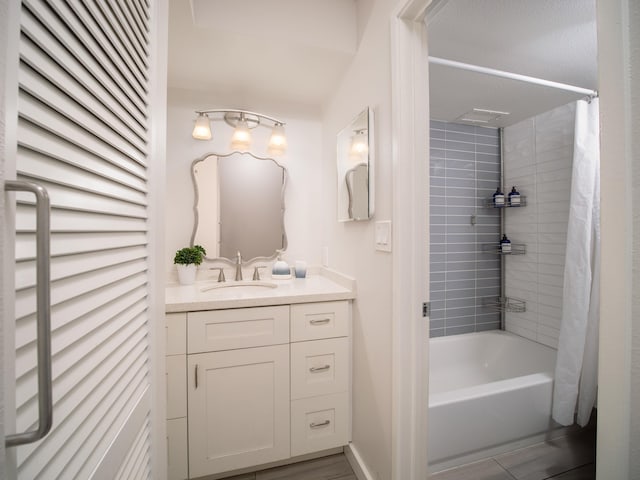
(187, 273)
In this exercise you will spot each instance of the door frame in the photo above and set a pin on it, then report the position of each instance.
(410, 150)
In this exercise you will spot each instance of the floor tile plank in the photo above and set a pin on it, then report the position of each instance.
(334, 467)
(550, 458)
(587, 472)
(482, 470)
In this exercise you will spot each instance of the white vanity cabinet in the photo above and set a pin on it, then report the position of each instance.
(261, 385)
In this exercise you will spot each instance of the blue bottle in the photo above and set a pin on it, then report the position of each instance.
(505, 245)
(514, 197)
(498, 198)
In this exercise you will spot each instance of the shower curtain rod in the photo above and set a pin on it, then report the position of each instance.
(513, 76)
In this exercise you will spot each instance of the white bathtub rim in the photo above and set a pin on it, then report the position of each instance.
(486, 389)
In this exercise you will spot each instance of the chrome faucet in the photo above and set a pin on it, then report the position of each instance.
(238, 267)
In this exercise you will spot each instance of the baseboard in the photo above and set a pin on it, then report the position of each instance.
(357, 464)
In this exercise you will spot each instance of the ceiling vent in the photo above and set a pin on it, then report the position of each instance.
(480, 116)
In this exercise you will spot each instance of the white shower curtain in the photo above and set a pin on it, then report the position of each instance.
(576, 377)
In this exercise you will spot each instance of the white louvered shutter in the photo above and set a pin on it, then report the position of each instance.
(83, 133)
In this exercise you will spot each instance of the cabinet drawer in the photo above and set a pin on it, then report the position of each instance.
(176, 386)
(313, 321)
(319, 423)
(319, 367)
(177, 457)
(176, 330)
(238, 328)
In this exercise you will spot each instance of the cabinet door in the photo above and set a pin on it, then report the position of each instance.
(238, 408)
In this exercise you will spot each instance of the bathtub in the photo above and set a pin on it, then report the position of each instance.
(486, 390)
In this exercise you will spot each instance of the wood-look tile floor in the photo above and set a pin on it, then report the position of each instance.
(334, 467)
(571, 457)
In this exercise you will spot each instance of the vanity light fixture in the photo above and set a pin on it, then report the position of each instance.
(359, 142)
(243, 122)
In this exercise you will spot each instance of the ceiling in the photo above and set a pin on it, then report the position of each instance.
(549, 39)
(298, 50)
(293, 50)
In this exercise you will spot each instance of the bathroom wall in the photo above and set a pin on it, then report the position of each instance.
(538, 155)
(464, 171)
(351, 245)
(302, 160)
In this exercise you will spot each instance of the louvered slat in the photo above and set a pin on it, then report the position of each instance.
(71, 33)
(136, 464)
(127, 37)
(83, 133)
(57, 65)
(134, 22)
(65, 221)
(40, 140)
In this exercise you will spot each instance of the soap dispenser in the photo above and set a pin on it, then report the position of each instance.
(498, 198)
(280, 269)
(514, 197)
(505, 245)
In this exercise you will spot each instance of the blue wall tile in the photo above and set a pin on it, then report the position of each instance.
(465, 170)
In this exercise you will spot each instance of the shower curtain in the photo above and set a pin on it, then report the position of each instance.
(576, 373)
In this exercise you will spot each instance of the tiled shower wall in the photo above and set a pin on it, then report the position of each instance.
(538, 156)
(465, 169)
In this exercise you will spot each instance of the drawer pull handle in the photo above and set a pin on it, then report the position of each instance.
(319, 425)
(319, 369)
(320, 321)
(196, 375)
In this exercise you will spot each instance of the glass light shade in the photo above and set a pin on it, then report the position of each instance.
(202, 127)
(278, 140)
(360, 143)
(241, 139)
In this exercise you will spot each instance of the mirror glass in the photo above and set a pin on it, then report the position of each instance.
(355, 169)
(239, 206)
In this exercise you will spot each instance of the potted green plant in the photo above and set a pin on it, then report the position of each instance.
(187, 260)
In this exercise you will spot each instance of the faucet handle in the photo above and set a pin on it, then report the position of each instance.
(220, 275)
(256, 272)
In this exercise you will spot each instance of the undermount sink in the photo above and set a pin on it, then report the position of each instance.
(259, 284)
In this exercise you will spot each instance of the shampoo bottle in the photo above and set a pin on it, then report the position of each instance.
(514, 197)
(505, 245)
(498, 198)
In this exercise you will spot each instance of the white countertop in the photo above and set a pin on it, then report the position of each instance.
(319, 287)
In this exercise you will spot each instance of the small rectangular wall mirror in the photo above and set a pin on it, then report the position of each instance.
(355, 163)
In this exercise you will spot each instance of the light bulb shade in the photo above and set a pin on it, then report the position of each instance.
(360, 143)
(241, 139)
(202, 127)
(278, 140)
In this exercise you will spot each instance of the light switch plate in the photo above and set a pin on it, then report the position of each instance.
(383, 235)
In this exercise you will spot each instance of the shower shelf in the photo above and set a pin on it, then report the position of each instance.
(488, 202)
(516, 249)
(505, 304)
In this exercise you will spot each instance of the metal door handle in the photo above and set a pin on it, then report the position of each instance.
(196, 376)
(43, 313)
